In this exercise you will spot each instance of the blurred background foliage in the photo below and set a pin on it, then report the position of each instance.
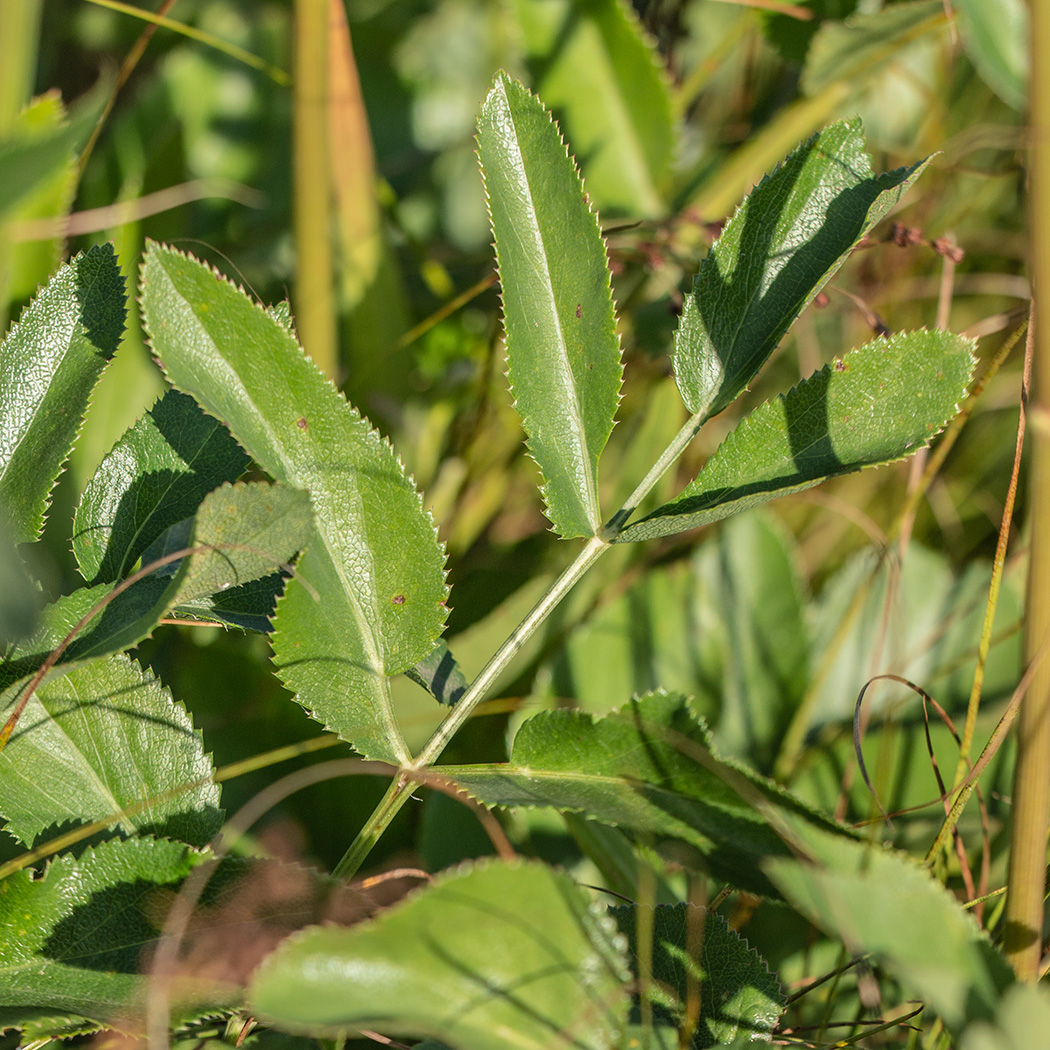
(363, 114)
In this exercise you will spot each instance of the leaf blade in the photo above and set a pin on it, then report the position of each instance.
(49, 364)
(647, 768)
(367, 600)
(155, 476)
(562, 348)
(787, 239)
(594, 66)
(110, 736)
(427, 966)
(879, 403)
(72, 940)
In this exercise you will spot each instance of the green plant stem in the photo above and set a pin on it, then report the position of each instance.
(1025, 884)
(400, 789)
(677, 446)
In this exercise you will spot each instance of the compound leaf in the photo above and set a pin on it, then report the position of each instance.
(562, 348)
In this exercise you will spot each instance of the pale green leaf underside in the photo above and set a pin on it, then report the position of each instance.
(240, 533)
(367, 598)
(103, 736)
(880, 901)
(649, 769)
(594, 67)
(876, 404)
(739, 997)
(562, 348)
(155, 476)
(72, 941)
(787, 239)
(497, 955)
(49, 364)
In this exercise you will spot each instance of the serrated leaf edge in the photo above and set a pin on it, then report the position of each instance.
(591, 503)
(747, 423)
(372, 434)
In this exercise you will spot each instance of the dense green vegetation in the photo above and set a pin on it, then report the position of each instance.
(315, 734)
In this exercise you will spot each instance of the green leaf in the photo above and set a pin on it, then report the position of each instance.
(20, 601)
(649, 769)
(749, 575)
(739, 997)
(247, 531)
(72, 940)
(32, 262)
(99, 738)
(855, 47)
(49, 364)
(783, 244)
(367, 599)
(880, 901)
(996, 37)
(562, 346)
(155, 476)
(439, 675)
(595, 68)
(484, 955)
(249, 607)
(1023, 1019)
(28, 161)
(877, 404)
(241, 532)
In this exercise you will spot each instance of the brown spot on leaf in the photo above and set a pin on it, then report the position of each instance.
(840, 365)
(579, 310)
(301, 423)
(398, 599)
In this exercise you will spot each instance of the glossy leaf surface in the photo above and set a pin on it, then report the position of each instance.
(49, 364)
(108, 735)
(240, 533)
(71, 941)
(562, 348)
(787, 239)
(482, 957)
(155, 476)
(367, 599)
(647, 768)
(593, 66)
(739, 997)
(877, 404)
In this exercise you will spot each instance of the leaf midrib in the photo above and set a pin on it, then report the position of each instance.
(568, 380)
